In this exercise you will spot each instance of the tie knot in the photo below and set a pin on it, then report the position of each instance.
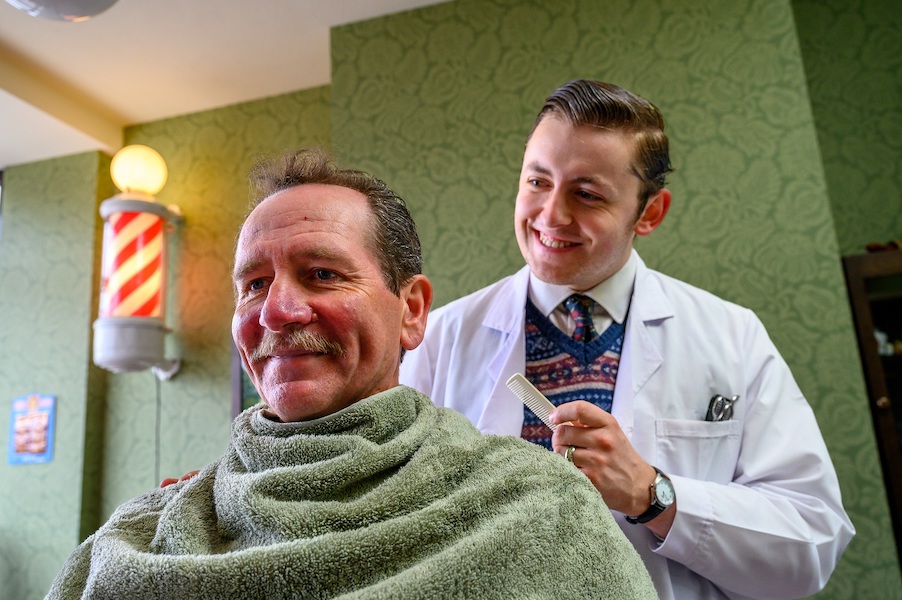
(580, 308)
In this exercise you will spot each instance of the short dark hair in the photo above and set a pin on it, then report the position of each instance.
(605, 105)
(395, 242)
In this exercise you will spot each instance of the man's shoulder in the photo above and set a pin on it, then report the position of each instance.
(485, 450)
(680, 309)
(688, 295)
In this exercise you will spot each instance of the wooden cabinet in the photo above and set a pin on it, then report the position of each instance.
(875, 292)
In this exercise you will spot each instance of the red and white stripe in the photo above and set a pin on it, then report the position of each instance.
(133, 266)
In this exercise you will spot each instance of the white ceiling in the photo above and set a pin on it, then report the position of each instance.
(72, 87)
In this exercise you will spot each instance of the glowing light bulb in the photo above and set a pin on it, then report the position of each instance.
(138, 168)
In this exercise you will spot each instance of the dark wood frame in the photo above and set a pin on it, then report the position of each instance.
(241, 396)
(237, 387)
(859, 269)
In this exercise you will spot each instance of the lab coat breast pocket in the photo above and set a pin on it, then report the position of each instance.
(698, 449)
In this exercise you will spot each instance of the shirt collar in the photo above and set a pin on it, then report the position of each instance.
(613, 294)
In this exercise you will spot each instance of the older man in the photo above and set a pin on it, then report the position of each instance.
(344, 484)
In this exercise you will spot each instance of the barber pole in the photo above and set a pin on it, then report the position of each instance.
(129, 333)
(133, 269)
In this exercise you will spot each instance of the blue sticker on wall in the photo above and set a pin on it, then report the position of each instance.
(31, 429)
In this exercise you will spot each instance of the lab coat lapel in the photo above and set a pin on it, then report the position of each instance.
(507, 314)
(640, 357)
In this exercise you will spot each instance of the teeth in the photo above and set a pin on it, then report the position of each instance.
(553, 243)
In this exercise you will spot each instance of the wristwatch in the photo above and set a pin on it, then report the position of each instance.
(662, 496)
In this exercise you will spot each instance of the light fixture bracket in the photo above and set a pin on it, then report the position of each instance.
(167, 369)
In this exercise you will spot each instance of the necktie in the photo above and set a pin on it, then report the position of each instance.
(580, 308)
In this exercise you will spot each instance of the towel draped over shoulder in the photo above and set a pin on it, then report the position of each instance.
(388, 498)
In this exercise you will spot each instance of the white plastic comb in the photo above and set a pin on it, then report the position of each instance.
(532, 398)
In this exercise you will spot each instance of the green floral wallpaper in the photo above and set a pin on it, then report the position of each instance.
(853, 61)
(438, 102)
(47, 260)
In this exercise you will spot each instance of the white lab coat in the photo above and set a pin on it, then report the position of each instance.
(759, 508)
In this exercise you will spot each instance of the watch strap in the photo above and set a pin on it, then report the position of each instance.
(656, 507)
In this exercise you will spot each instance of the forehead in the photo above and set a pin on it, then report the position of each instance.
(307, 206)
(559, 142)
(326, 214)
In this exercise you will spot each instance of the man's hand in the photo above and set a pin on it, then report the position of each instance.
(605, 455)
(171, 480)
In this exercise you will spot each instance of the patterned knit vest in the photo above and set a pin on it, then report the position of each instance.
(566, 370)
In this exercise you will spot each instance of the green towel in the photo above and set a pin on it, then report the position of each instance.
(388, 498)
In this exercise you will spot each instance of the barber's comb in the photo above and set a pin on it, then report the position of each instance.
(531, 397)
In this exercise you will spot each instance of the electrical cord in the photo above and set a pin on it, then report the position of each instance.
(159, 418)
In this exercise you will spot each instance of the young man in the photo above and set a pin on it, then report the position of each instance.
(741, 502)
(345, 484)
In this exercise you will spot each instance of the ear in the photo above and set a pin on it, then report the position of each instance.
(417, 296)
(655, 210)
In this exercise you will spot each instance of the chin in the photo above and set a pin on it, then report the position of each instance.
(298, 400)
(552, 275)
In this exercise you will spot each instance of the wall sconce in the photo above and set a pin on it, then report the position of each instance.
(129, 333)
(73, 11)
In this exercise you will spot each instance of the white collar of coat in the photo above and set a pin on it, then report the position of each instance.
(612, 295)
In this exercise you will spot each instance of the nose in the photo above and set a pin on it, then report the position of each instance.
(286, 304)
(555, 209)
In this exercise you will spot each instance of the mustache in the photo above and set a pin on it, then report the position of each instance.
(295, 339)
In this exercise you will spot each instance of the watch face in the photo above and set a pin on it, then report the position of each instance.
(664, 492)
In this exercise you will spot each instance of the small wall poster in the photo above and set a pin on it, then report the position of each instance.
(31, 429)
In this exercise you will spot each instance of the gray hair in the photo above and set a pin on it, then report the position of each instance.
(394, 242)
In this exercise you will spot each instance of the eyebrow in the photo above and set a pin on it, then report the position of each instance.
(536, 167)
(254, 264)
(247, 267)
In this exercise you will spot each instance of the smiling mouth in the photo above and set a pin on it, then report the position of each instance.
(292, 353)
(283, 354)
(550, 242)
